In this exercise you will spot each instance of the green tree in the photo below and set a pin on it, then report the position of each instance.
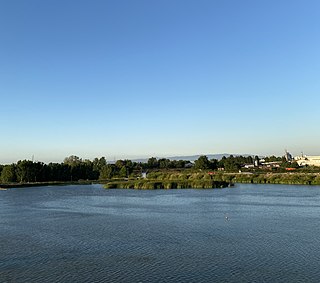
(249, 160)
(202, 163)
(72, 160)
(129, 165)
(8, 174)
(98, 163)
(178, 163)
(164, 163)
(25, 171)
(59, 172)
(120, 163)
(107, 172)
(222, 161)
(272, 158)
(214, 164)
(231, 165)
(153, 163)
(123, 171)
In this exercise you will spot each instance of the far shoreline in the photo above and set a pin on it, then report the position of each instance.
(44, 184)
(187, 180)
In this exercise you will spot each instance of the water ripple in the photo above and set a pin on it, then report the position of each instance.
(87, 234)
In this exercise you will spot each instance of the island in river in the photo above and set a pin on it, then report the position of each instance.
(166, 184)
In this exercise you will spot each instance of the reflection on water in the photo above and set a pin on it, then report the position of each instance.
(88, 234)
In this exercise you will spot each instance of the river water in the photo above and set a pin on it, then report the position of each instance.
(248, 233)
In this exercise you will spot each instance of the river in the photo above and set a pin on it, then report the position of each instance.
(248, 233)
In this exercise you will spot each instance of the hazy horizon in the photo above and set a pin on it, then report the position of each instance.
(135, 79)
(141, 157)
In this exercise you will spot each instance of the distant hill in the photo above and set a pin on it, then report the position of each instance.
(210, 156)
(195, 157)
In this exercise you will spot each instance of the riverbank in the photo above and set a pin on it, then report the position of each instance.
(271, 178)
(242, 177)
(187, 179)
(42, 184)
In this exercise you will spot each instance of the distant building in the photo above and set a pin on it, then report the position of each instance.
(144, 175)
(264, 165)
(189, 165)
(256, 161)
(248, 166)
(288, 156)
(305, 160)
(273, 164)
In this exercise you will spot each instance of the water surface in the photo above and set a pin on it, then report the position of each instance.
(249, 233)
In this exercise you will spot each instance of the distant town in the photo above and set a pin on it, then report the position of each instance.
(293, 162)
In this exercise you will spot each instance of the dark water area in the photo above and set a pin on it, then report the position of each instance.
(248, 233)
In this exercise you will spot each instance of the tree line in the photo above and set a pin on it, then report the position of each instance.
(74, 168)
(230, 163)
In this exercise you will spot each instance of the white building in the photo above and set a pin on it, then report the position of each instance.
(308, 160)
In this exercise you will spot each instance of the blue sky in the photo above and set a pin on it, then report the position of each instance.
(141, 78)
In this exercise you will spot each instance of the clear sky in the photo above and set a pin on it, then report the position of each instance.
(141, 78)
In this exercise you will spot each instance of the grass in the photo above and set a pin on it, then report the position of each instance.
(166, 184)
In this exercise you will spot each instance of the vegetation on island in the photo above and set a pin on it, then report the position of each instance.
(166, 184)
(162, 173)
